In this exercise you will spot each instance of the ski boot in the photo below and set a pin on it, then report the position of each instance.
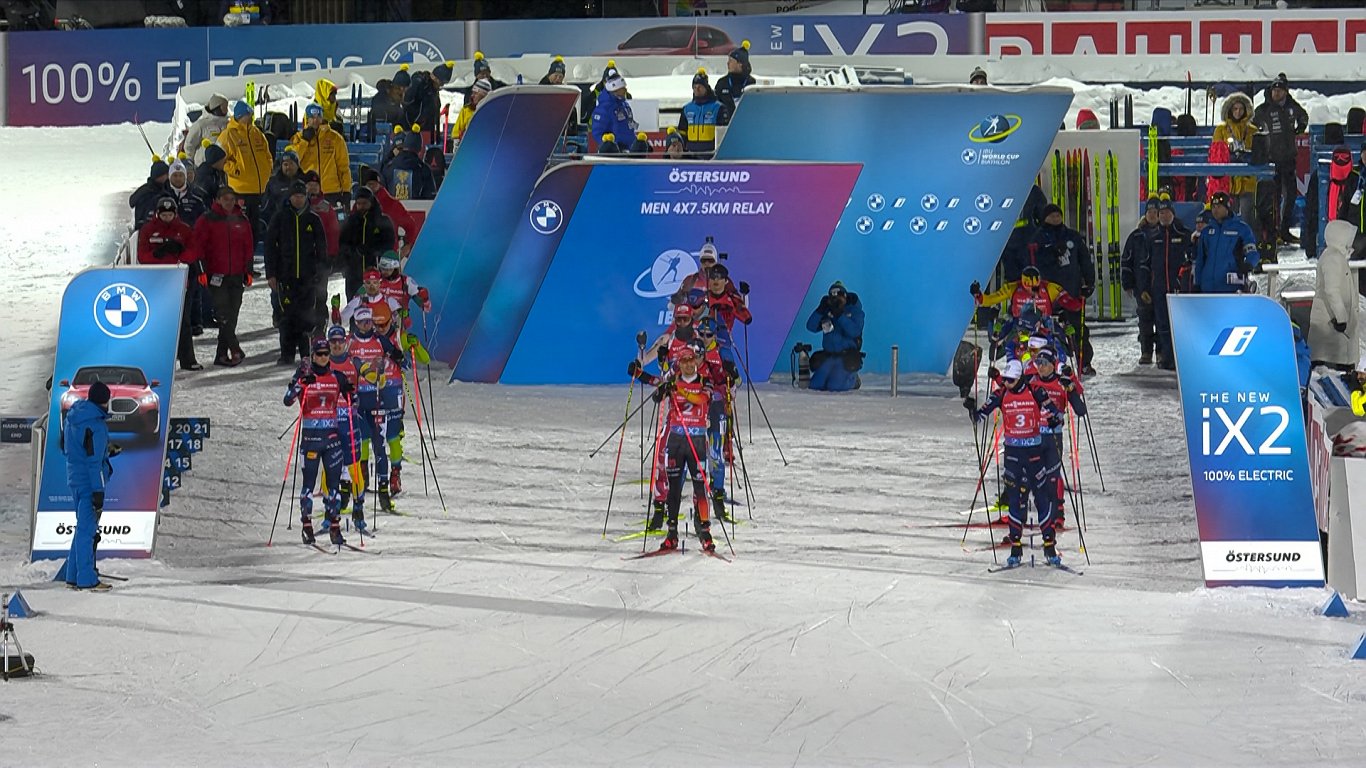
(1050, 553)
(344, 492)
(385, 503)
(395, 480)
(657, 518)
(358, 520)
(335, 534)
(718, 504)
(307, 530)
(1016, 554)
(670, 541)
(326, 528)
(704, 536)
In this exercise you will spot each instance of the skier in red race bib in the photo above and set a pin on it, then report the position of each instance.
(1030, 462)
(319, 390)
(687, 396)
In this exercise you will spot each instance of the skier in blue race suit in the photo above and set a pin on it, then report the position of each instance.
(319, 390)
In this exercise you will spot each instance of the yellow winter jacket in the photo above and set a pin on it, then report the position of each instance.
(326, 154)
(1238, 135)
(325, 96)
(248, 163)
(462, 122)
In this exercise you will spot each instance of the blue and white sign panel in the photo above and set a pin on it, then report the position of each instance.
(1240, 396)
(118, 326)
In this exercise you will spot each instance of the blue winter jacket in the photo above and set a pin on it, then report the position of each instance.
(85, 441)
(613, 115)
(848, 331)
(1221, 248)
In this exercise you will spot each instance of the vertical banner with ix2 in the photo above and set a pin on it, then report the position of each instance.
(1235, 361)
(120, 327)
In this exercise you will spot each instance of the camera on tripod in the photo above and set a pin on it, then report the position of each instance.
(801, 365)
(15, 662)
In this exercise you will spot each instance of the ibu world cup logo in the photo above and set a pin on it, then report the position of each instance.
(121, 311)
(666, 274)
(994, 129)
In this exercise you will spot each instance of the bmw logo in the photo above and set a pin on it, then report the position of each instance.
(983, 203)
(919, 226)
(972, 225)
(969, 156)
(864, 225)
(546, 217)
(929, 202)
(876, 202)
(121, 311)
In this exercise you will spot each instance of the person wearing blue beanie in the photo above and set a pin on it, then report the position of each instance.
(241, 109)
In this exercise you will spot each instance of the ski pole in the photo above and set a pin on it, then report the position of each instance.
(289, 462)
(654, 470)
(431, 403)
(353, 467)
(619, 427)
(749, 406)
(641, 339)
(1078, 508)
(421, 438)
(291, 426)
(620, 441)
(749, 381)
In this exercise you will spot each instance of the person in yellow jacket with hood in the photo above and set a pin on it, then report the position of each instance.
(325, 96)
(1236, 133)
(323, 150)
(247, 161)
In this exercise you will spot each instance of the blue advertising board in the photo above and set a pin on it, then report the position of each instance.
(473, 217)
(946, 170)
(118, 326)
(622, 239)
(1240, 399)
(95, 77)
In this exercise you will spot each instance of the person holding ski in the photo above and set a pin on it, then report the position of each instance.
(686, 397)
(1226, 251)
(1167, 253)
(1029, 465)
(319, 390)
(1135, 245)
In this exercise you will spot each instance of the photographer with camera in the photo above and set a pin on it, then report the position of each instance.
(839, 317)
(85, 443)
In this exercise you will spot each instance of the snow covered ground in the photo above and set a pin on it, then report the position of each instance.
(851, 629)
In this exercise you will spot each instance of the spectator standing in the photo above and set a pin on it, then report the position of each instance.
(210, 176)
(483, 71)
(1225, 252)
(386, 108)
(327, 212)
(1135, 250)
(405, 227)
(167, 240)
(189, 205)
(978, 76)
(325, 96)
(277, 189)
(144, 199)
(422, 100)
(321, 149)
(223, 240)
(406, 177)
(85, 443)
(613, 112)
(211, 122)
(839, 320)
(1063, 258)
(1159, 271)
(478, 91)
(1234, 137)
(555, 75)
(699, 118)
(738, 77)
(641, 146)
(247, 163)
(1281, 118)
(1333, 339)
(365, 235)
(296, 255)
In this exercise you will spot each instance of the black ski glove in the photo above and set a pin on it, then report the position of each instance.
(970, 403)
(1054, 420)
(396, 355)
(663, 354)
(115, 449)
(732, 373)
(633, 369)
(975, 289)
(97, 501)
(309, 133)
(744, 288)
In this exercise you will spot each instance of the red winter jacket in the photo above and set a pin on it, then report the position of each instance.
(154, 236)
(398, 214)
(331, 227)
(224, 241)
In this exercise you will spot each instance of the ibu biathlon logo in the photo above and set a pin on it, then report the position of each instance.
(994, 129)
(666, 275)
(121, 311)
(546, 217)
(413, 50)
